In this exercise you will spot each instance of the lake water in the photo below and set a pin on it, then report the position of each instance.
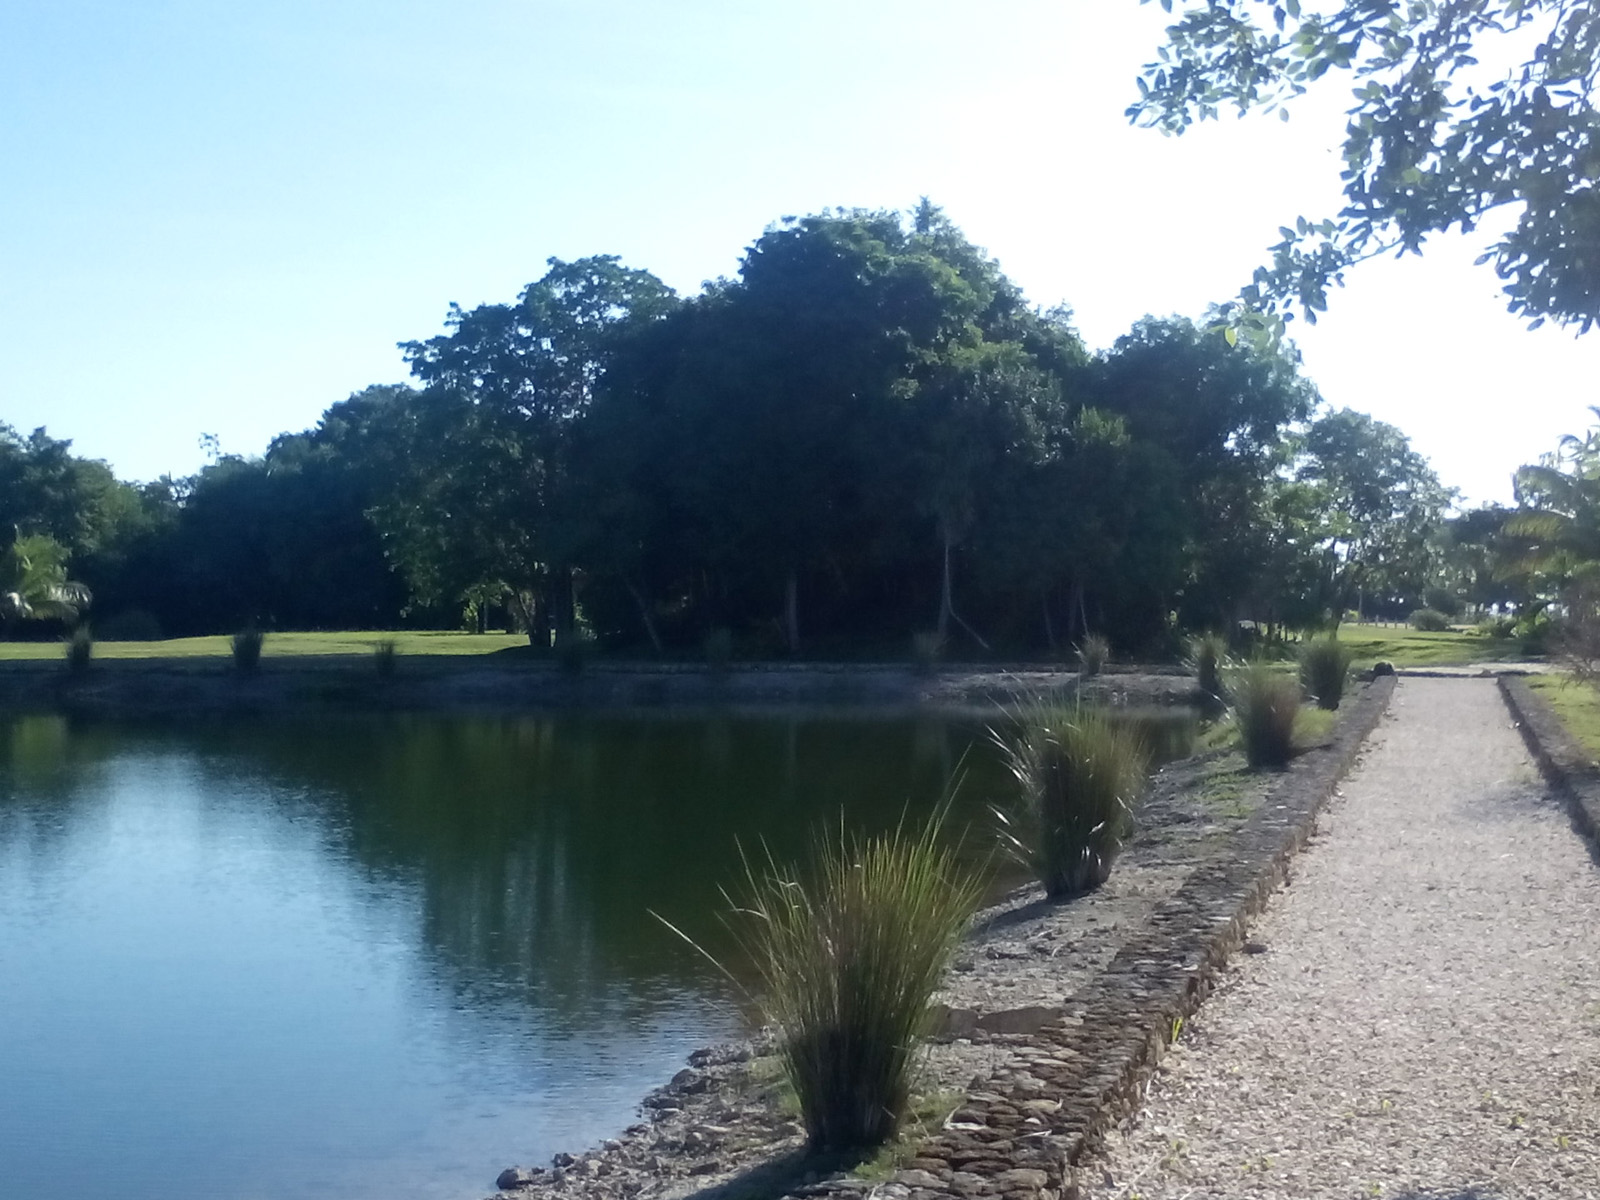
(364, 956)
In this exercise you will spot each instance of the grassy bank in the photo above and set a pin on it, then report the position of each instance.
(1413, 648)
(1577, 704)
(1367, 643)
(283, 645)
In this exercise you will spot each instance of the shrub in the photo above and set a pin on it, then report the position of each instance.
(130, 625)
(926, 651)
(1324, 667)
(1208, 654)
(1266, 706)
(718, 649)
(1429, 620)
(80, 650)
(246, 646)
(1093, 655)
(1534, 632)
(848, 958)
(1079, 773)
(385, 652)
(1496, 627)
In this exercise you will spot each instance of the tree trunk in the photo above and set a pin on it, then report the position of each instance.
(946, 600)
(559, 608)
(947, 606)
(645, 614)
(1049, 625)
(791, 612)
(539, 623)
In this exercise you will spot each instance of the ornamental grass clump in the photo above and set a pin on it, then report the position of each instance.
(80, 650)
(1079, 773)
(1266, 707)
(385, 654)
(848, 957)
(1093, 654)
(1208, 654)
(246, 646)
(1324, 667)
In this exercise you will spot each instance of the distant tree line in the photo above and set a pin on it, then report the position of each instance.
(869, 434)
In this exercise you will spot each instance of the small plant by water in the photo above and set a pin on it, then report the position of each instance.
(927, 648)
(1208, 654)
(384, 655)
(1079, 773)
(1093, 654)
(848, 956)
(1324, 668)
(1266, 706)
(246, 646)
(80, 650)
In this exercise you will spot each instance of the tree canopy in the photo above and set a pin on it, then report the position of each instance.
(1461, 108)
(867, 436)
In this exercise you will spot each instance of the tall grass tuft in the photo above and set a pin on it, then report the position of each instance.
(1079, 773)
(1266, 706)
(1208, 654)
(718, 649)
(1324, 667)
(1093, 654)
(80, 650)
(385, 654)
(246, 646)
(848, 956)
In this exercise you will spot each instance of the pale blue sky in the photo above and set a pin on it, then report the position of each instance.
(221, 218)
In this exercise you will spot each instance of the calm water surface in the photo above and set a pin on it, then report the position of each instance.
(385, 956)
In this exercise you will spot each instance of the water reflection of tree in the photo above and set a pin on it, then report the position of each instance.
(541, 844)
(44, 760)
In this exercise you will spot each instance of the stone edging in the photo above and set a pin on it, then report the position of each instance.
(1568, 768)
(1023, 1132)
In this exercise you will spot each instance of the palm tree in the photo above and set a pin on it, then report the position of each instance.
(1556, 530)
(34, 583)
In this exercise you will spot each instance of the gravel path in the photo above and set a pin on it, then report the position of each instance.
(1425, 1019)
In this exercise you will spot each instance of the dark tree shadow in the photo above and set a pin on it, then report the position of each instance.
(777, 1177)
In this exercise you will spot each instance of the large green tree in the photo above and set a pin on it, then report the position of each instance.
(507, 385)
(1461, 108)
(1377, 508)
(1219, 412)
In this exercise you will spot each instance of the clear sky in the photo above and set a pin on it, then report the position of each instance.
(220, 218)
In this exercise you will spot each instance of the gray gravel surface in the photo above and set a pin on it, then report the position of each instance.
(1424, 1017)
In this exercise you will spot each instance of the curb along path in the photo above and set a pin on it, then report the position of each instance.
(1425, 1020)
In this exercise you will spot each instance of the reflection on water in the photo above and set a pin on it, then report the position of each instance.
(364, 956)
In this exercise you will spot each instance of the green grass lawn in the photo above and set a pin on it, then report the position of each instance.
(1577, 704)
(1413, 648)
(1403, 647)
(281, 645)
